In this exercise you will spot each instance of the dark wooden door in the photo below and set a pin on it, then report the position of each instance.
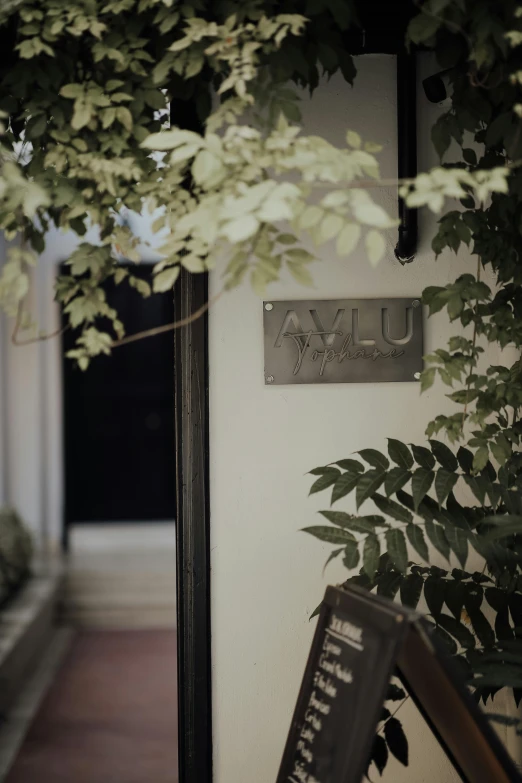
(119, 419)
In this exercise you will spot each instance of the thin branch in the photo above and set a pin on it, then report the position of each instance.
(31, 340)
(403, 702)
(132, 338)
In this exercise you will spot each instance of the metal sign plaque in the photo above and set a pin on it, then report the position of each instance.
(343, 341)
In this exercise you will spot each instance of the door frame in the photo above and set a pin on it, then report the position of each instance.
(193, 532)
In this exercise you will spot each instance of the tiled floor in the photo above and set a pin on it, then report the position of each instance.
(110, 716)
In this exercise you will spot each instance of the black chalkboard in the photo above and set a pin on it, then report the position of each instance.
(360, 641)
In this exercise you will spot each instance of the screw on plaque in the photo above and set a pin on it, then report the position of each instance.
(417, 376)
(269, 378)
(416, 303)
(269, 306)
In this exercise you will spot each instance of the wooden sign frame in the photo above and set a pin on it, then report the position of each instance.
(406, 646)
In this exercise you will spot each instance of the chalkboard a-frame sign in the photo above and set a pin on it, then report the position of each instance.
(360, 641)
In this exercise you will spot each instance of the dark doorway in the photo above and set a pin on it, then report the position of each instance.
(119, 422)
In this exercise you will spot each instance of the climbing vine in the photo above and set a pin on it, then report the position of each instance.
(86, 88)
(458, 503)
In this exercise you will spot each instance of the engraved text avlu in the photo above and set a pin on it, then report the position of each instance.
(305, 342)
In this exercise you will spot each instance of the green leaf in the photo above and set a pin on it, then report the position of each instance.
(331, 226)
(286, 239)
(344, 485)
(454, 597)
(82, 114)
(348, 521)
(310, 217)
(389, 583)
(448, 641)
(320, 471)
(375, 246)
(416, 539)
(165, 280)
(481, 458)
(444, 455)
(342, 13)
(125, 117)
(444, 483)
(325, 481)
(397, 549)
(332, 535)
(299, 255)
(335, 553)
(351, 555)
(300, 274)
(400, 453)
(392, 509)
(207, 168)
(371, 554)
(379, 753)
(434, 595)
(470, 156)
(457, 630)
(411, 590)
(395, 480)
(427, 378)
(396, 739)
(368, 484)
(353, 139)
(375, 458)
(465, 459)
(36, 128)
(481, 626)
(394, 693)
(351, 465)
(458, 541)
(422, 27)
(505, 525)
(348, 239)
(436, 535)
(339, 518)
(72, 91)
(423, 457)
(170, 139)
(421, 482)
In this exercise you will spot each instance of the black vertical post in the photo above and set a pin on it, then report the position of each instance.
(407, 151)
(193, 531)
(193, 518)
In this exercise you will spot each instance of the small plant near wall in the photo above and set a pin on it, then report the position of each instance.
(16, 551)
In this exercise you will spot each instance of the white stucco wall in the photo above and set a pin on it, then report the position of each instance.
(266, 576)
(30, 407)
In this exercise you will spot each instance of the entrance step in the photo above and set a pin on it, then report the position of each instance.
(121, 576)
